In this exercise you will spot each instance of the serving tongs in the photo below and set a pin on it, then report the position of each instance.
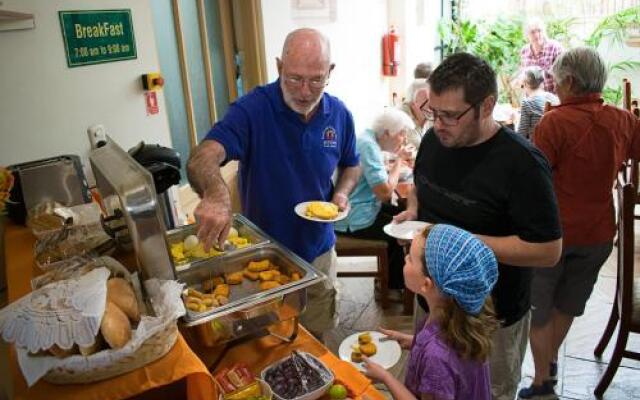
(228, 246)
(298, 360)
(295, 357)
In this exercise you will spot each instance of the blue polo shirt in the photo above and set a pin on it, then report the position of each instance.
(285, 161)
(365, 206)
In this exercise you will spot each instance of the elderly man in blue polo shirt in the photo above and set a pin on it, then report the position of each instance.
(290, 137)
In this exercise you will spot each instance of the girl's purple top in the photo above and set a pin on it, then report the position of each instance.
(435, 368)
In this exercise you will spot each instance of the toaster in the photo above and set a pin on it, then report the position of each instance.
(58, 179)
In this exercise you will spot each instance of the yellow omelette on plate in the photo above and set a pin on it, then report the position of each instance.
(322, 210)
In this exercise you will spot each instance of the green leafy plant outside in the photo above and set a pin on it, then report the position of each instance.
(614, 30)
(615, 27)
(500, 42)
(560, 30)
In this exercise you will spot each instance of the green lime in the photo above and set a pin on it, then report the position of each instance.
(338, 392)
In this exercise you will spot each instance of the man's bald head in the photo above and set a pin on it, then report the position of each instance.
(308, 44)
(304, 70)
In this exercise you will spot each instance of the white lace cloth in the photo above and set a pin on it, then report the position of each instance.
(61, 313)
(167, 305)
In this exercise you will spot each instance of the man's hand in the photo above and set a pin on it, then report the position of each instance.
(347, 179)
(213, 213)
(341, 200)
(215, 222)
(407, 215)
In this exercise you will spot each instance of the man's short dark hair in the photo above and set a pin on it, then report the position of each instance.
(463, 70)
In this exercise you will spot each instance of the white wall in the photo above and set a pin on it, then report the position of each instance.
(46, 107)
(355, 39)
(614, 53)
(418, 20)
(356, 36)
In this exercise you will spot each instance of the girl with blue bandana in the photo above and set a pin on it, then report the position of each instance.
(454, 271)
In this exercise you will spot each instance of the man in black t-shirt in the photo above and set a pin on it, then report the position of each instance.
(484, 178)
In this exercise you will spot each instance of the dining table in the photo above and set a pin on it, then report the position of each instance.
(185, 371)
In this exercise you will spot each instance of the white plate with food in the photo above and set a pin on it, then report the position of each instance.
(404, 230)
(386, 353)
(320, 211)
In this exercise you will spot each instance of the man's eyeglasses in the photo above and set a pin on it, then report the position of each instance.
(448, 120)
(314, 83)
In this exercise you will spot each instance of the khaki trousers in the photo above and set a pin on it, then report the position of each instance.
(320, 314)
(507, 354)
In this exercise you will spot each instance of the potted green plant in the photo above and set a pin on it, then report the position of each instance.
(499, 43)
(620, 28)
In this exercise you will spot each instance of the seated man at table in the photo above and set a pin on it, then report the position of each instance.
(586, 142)
(370, 208)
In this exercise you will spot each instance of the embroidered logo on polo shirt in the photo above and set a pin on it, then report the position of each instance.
(329, 137)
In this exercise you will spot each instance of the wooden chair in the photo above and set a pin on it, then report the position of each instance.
(351, 247)
(626, 305)
(626, 94)
(632, 169)
(627, 103)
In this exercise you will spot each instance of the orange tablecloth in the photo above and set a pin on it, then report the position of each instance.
(180, 363)
(259, 353)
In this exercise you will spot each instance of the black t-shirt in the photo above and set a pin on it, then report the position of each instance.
(500, 187)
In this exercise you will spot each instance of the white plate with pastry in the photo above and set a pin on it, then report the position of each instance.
(384, 352)
(404, 230)
(320, 211)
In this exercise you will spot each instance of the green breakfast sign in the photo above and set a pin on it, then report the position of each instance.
(97, 36)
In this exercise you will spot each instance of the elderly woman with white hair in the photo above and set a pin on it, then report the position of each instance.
(370, 199)
(586, 141)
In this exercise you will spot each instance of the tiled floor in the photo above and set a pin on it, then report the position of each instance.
(579, 371)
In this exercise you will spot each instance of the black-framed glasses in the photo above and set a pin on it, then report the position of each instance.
(314, 83)
(431, 114)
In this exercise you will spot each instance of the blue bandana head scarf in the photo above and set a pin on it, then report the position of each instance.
(461, 266)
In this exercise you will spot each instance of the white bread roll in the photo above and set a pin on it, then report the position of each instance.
(115, 326)
(120, 292)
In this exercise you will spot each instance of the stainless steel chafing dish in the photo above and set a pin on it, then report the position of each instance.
(249, 309)
(245, 228)
(130, 198)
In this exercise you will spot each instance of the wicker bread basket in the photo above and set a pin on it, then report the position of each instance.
(152, 349)
(153, 337)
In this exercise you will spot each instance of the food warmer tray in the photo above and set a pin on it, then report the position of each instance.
(249, 309)
(244, 227)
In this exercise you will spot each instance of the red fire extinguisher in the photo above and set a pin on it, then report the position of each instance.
(390, 53)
